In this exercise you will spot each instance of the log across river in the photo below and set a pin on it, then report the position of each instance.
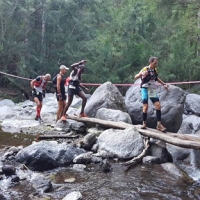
(181, 140)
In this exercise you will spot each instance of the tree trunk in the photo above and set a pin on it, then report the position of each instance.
(181, 140)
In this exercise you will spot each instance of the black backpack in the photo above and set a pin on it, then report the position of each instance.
(54, 80)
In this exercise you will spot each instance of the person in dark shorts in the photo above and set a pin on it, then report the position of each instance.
(75, 87)
(38, 86)
(149, 76)
(59, 84)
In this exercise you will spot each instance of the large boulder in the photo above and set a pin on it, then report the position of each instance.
(192, 104)
(105, 96)
(123, 144)
(47, 155)
(113, 115)
(172, 103)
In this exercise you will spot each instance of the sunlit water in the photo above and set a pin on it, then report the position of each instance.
(140, 182)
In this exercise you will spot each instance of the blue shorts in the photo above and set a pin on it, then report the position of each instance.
(145, 97)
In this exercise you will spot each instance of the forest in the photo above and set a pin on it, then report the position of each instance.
(115, 37)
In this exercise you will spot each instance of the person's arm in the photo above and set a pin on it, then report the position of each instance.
(78, 63)
(59, 79)
(82, 86)
(141, 73)
(32, 83)
(162, 83)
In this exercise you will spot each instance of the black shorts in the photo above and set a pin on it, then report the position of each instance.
(63, 95)
(38, 95)
(74, 91)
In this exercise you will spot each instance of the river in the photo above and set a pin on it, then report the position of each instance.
(140, 182)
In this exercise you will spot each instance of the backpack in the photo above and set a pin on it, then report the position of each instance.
(54, 80)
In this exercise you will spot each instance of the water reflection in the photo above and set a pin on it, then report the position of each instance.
(15, 139)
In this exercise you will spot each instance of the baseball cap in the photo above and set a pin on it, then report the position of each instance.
(64, 67)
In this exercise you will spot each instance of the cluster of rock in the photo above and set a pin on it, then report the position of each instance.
(180, 113)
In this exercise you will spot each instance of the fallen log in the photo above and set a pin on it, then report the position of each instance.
(181, 140)
(44, 137)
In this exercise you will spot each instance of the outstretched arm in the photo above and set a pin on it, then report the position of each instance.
(78, 63)
(162, 83)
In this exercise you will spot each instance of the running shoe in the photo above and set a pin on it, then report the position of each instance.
(144, 126)
(63, 118)
(83, 115)
(161, 128)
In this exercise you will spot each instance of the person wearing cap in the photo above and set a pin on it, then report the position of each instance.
(149, 76)
(59, 83)
(38, 86)
(74, 87)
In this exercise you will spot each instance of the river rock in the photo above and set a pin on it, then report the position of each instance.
(177, 172)
(47, 155)
(41, 183)
(84, 158)
(105, 96)
(151, 160)
(160, 152)
(123, 144)
(192, 104)
(178, 153)
(8, 170)
(73, 196)
(113, 115)
(172, 103)
(7, 102)
(88, 141)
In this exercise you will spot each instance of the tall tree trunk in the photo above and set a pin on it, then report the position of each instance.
(43, 36)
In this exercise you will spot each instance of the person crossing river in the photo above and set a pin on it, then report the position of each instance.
(149, 76)
(74, 87)
(38, 86)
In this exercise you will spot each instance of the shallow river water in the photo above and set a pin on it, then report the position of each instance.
(141, 182)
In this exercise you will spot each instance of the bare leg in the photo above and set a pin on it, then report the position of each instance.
(83, 97)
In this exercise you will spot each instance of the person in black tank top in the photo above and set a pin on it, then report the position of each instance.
(60, 90)
(74, 88)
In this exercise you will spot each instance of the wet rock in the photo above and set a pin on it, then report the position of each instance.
(88, 141)
(79, 167)
(15, 179)
(161, 153)
(70, 180)
(47, 155)
(105, 166)
(42, 183)
(113, 115)
(123, 144)
(8, 170)
(151, 160)
(105, 96)
(178, 153)
(2, 197)
(73, 196)
(84, 158)
(177, 172)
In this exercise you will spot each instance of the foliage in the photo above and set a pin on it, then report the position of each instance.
(116, 37)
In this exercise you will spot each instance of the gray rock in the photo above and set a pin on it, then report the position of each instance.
(105, 96)
(192, 104)
(178, 153)
(73, 196)
(172, 103)
(151, 160)
(113, 115)
(124, 144)
(84, 158)
(47, 155)
(8, 170)
(7, 102)
(88, 141)
(177, 172)
(161, 153)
